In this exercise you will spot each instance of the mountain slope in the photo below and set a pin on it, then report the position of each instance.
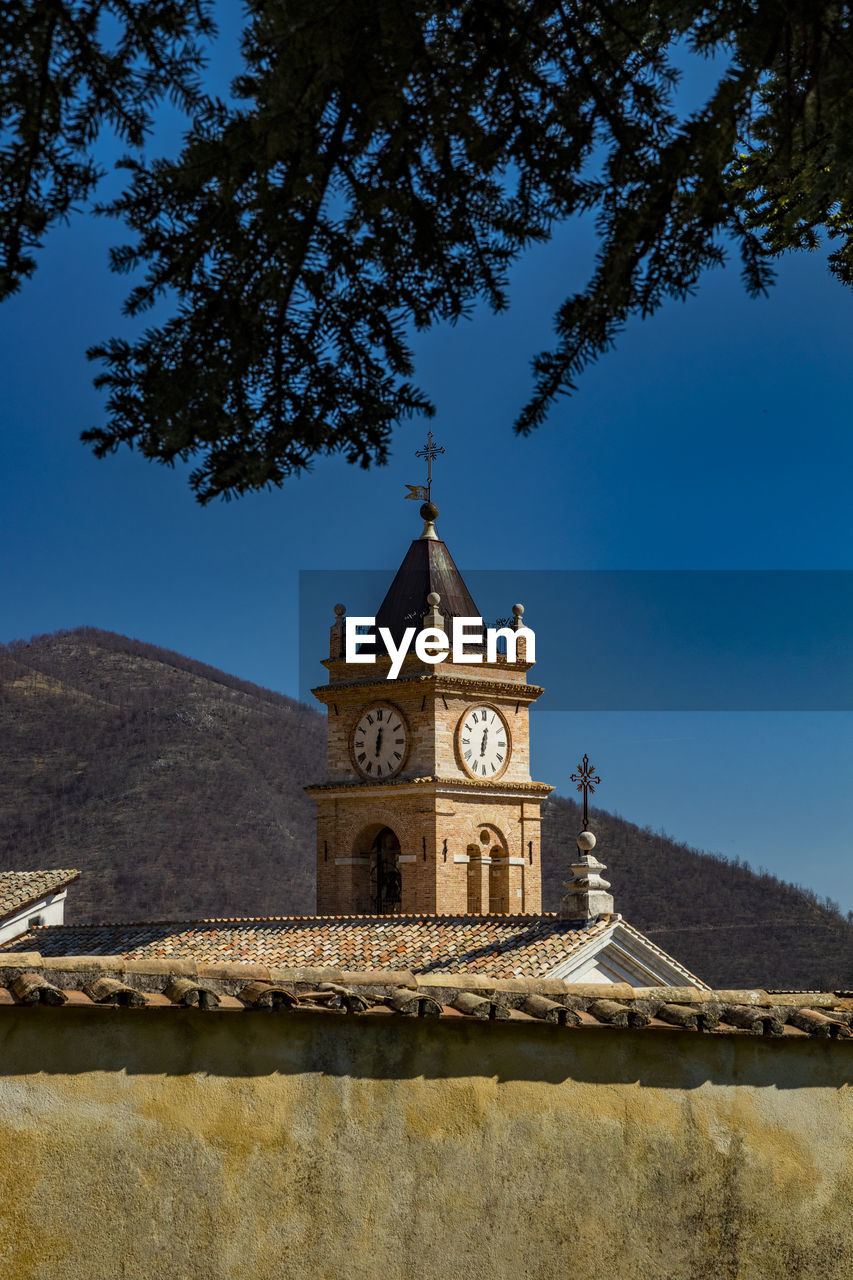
(177, 789)
(726, 923)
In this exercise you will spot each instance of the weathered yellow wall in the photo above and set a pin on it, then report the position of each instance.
(222, 1145)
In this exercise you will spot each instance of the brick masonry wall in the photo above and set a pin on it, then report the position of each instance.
(441, 834)
(472, 848)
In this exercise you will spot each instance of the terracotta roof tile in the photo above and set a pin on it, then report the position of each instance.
(20, 888)
(378, 994)
(502, 946)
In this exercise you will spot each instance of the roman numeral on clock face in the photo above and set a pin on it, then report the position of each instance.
(379, 742)
(484, 751)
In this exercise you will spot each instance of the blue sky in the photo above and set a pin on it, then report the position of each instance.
(717, 436)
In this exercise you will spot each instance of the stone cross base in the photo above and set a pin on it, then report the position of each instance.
(586, 897)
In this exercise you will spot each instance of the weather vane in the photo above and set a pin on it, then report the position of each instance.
(587, 782)
(431, 450)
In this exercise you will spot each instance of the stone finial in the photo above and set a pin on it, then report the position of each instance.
(432, 618)
(336, 633)
(429, 515)
(586, 897)
(517, 624)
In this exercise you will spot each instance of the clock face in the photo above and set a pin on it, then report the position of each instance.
(380, 742)
(483, 740)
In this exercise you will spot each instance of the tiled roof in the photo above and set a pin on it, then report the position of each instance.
(20, 888)
(70, 983)
(503, 946)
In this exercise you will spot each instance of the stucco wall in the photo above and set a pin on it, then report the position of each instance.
(169, 1143)
(48, 910)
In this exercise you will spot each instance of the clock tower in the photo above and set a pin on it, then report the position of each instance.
(428, 806)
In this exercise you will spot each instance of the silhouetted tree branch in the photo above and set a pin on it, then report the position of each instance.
(385, 166)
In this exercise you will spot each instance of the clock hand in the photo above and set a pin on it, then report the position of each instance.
(379, 740)
(483, 743)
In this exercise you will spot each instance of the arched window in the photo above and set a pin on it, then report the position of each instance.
(475, 880)
(385, 879)
(498, 881)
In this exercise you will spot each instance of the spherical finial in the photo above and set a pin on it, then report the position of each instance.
(433, 599)
(340, 610)
(429, 511)
(586, 841)
(518, 610)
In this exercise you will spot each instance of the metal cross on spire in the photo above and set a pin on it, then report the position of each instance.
(587, 782)
(430, 451)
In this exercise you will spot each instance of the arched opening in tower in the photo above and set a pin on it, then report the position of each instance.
(475, 881)
(499, 882)
(385, 880)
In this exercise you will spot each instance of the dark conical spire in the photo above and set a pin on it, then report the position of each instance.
(427, 566)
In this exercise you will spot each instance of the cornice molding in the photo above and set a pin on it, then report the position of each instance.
(327, 693)
(429, 786)
(383, 662)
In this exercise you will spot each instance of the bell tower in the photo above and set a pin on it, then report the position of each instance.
(428, 806)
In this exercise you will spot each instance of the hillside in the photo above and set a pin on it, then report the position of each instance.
(728, 924)
(177, 789)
